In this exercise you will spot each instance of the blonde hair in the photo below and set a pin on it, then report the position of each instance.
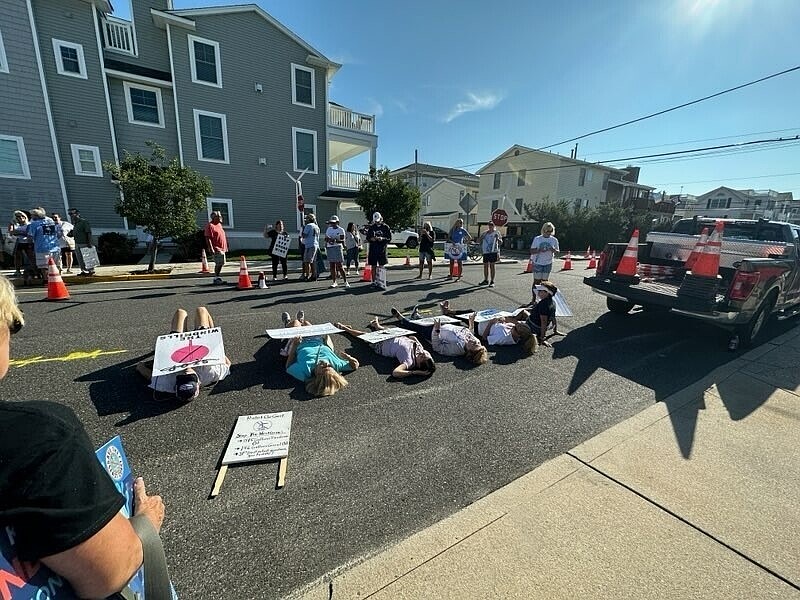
(9, 309)
(477, 356)
(38, 212)
(326, 383)
(549, 227)
(526, 338)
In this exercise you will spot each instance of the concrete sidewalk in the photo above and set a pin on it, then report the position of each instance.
(695, 497)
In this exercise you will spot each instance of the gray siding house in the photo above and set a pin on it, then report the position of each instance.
(230, 91)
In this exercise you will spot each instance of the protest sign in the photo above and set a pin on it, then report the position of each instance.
(432, 320)
(562, 308)
(281, 247)
(179, 351)
(455, 251)
(90, 258)
(287, 333)
(380, 277)
(373, 337)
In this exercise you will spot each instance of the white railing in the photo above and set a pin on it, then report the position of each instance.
(118, 35)
(348, 119)
(346, 179)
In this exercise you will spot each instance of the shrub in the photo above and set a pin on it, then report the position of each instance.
(115, 248)
(189, 247)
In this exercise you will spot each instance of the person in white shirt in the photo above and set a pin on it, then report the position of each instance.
(65, 242)
(499, 331)
(490, 241)
(446, 339)
(543, 249)
(334, 238)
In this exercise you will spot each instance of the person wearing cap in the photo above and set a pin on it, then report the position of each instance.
(543, 313)
(334, 238)
(310, 238)
(185, 385)
(378, 235)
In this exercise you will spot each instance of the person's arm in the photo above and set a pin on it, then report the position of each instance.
(88, 234)
(347, 329)
(291, 355)
(401, 371)
(436, 337)
(106, 562)
(352, 360)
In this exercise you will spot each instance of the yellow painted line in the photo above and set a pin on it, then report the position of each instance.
(76, 355)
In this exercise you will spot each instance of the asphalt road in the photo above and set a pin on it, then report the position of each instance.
(369, 466)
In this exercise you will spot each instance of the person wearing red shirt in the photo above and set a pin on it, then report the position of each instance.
(216, 243)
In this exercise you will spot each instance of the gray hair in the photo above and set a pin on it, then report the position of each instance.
(38, 212)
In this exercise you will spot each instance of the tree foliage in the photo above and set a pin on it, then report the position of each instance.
(397, 201)
(159, 194)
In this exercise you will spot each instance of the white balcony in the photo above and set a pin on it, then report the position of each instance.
(345, 180)
(338, 116)
(118, 35)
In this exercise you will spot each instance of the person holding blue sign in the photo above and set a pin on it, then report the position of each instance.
(458, 235)
(42, 231)
(59, 509)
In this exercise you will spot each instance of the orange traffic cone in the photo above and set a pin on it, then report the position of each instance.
(567, 262)
(699, 247)
(627, 266)
(707, 264)
(408, 260)
(56, 289)
(244, 277)
(366, 274)
(204, 262)
(455, 269)
(592, 261)
(529, 268)
(262, 281)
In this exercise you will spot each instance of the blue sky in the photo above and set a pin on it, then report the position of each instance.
(463, 81)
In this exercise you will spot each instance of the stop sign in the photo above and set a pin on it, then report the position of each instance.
(499, 217)
(300, 203)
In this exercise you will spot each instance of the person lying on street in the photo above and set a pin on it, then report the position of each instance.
(185, 385)
(498, 331)
(445, 338)
(314, 360)
(407, 350)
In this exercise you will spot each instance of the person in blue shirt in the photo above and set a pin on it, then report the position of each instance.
(43, 231)
(458, 235)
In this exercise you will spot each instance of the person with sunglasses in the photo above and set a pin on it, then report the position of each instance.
(184, 385)
(406, 349)
(59, 509)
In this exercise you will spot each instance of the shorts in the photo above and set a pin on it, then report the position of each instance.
(43, 258)
(490, 258)
(219, 258)
(425, 255)
(309, 254)
(542, 271)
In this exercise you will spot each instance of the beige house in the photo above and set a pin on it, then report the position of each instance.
(441, 204)
(521, 176)
(724, 202)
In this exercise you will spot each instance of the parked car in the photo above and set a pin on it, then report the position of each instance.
(440, 234)
(401, 239)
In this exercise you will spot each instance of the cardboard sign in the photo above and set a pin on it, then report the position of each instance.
(444, 319)
(90, 258)
(380, 277)
(374, 337)
(259, 437)
(482, 316)
(281, 247)
(562, 308)
(288, 333)
(455, 251)
(179, 351)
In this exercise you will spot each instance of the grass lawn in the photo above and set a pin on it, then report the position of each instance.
(261, 254)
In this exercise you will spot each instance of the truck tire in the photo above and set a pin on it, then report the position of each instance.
(618, 307)
(412, 243)
(749, 333)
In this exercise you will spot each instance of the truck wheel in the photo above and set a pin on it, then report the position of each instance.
(411, 242)
(619, 307)
(748, 334)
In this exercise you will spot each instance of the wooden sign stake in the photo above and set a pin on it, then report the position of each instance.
(218, 481)
(282, 472)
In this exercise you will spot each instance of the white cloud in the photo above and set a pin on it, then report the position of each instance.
(375, 107)
(476, 101)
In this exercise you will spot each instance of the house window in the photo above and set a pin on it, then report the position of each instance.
(211, 134)
(518, 205)
(496, 182)
(204, 60)
(304, 149)
(589, 175)
(144, 105)
(86, 160)
(606, 177)
(225, 208)
(13, 160)
(582, 177)
(3, 59)
(495, 204)
(717, 203)
(69, 59)
(521, 177)
(303, 86)
(427, 199)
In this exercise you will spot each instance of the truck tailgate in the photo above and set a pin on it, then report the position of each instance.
(654, 293)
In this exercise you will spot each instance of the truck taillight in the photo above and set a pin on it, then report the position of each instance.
(601, 263)
(743, 285)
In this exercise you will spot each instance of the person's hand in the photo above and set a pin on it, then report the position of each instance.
(151, 507)
(338, 325)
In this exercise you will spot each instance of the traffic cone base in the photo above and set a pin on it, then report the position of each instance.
(592, 261)
(366, 274)
(262, 281)
(455, 269)
(56, 288)
(627, 265)
(408, 260)
(204, 262)
(244, 277)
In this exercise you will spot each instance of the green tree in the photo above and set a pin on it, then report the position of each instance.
(159, 194)
(397, 201)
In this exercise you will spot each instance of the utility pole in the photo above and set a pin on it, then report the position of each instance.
(416, 183)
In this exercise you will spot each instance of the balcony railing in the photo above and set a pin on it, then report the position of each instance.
(346, 179)
(118, 35)
(348, 119)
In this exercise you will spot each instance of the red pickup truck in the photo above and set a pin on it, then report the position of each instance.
(759, 275)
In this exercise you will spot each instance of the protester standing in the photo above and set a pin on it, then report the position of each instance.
(334, 240)
(216, 243)
(543, 249)
(352, 243)
(426, 249)
(82, 234)
(272, 234)
(65, 241)
(42, 229)
(310, 237)
(378, 235)
(23, 244)
(490, 241)
(458, 235)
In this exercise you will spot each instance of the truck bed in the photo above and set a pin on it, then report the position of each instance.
(652, 293)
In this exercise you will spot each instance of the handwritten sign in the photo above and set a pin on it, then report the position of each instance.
(482, 316)
(90, 258)
(374, 337)
(281, 247)
(288, 333)
(179, 351)
(432, 320)
(259, 437)
(380, 277)
(455, 251)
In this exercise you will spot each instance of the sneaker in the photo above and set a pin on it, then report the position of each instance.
(69, 271)
(286, 317)
(415, 314)
(484, 282)
(300, 316)
(448, 278)
(396, 313)
(491, 284)
(347, 284)
(217, 280)
(285, 277)
(285, 351)
(444, 305)
(334, 284)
